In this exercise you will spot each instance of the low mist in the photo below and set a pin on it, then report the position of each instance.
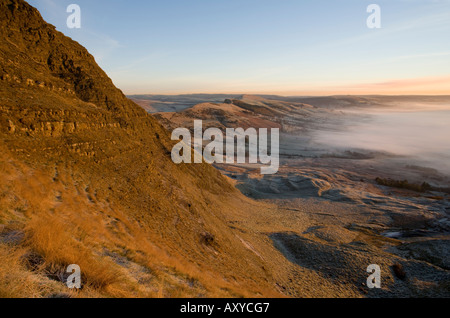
(421, 133)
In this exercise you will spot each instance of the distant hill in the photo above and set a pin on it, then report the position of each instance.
(176, 103)
(173, 103)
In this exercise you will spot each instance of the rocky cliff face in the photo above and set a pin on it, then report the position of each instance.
(89, 180)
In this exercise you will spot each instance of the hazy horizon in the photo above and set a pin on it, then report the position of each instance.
(283, 95)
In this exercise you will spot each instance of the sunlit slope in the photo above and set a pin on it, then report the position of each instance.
(88, 179)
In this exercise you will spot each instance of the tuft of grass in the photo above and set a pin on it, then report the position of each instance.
(50, 238)
(399, 271)
(15, 280)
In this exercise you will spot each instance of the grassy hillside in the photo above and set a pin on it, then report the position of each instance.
(88, 180)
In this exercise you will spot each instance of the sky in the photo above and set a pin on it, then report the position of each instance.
(285, 47)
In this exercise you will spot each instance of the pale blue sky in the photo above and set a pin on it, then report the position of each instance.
(290, 47)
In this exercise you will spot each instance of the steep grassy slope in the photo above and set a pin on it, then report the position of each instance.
(88, 179)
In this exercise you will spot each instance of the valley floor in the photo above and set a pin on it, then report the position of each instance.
(330, 221)
(328, 218)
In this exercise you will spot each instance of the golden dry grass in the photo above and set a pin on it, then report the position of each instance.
(50, 238)
(59, 223)
(15, 280)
